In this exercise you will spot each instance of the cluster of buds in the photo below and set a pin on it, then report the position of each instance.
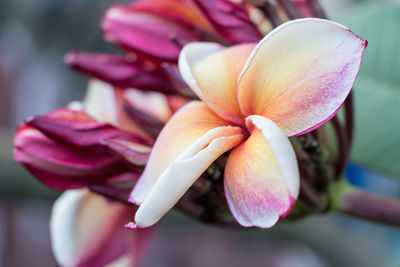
(105, 142)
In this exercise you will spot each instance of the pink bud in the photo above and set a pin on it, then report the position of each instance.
(121, 72)
(62, 166)
(147, 35)
(76, 128)
(66, 149)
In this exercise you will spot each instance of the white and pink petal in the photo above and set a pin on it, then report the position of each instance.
(300, 73)
(184, 171)
(261, 175)
(88, 230)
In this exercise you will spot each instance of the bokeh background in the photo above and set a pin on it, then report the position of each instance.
(34, 37)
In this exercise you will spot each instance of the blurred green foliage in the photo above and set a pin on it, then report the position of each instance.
(15, 182)
(377, 89)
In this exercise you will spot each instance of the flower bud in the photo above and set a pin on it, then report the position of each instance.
(121, 72)
(147, 35)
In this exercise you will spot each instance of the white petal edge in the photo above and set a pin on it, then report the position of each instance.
(191, 54)
(283, 150)
(183, 172)
(62, 222)
(82, 224)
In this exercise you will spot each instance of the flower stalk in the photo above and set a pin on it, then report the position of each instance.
(349, 200)
(290, 9)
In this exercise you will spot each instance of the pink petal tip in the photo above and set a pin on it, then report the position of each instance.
(131, 225)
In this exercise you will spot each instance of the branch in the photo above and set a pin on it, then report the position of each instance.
(349, 117)
(343, 147)
(358, 203)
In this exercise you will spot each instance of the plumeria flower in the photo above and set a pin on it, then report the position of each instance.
(253, 97)
(87, 230)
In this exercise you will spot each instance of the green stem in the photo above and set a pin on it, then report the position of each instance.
(358, 203)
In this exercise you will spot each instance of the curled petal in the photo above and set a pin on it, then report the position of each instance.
(212, 72)
(300, 74)
(261, 175)
(133, 153)
(147, 34)
(185, 127)
(121, 72)
(231, 20)
(61, 166)
(184, 171)
(88, 230)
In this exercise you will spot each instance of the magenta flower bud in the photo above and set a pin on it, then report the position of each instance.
(76, 128)
(145, 34)
(62, 166)
(121, 72)
(66, 149)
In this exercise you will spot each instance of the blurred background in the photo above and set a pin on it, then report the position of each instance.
(34, 37)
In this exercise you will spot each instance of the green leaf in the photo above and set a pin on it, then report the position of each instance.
(377, 89)
(377, 134)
